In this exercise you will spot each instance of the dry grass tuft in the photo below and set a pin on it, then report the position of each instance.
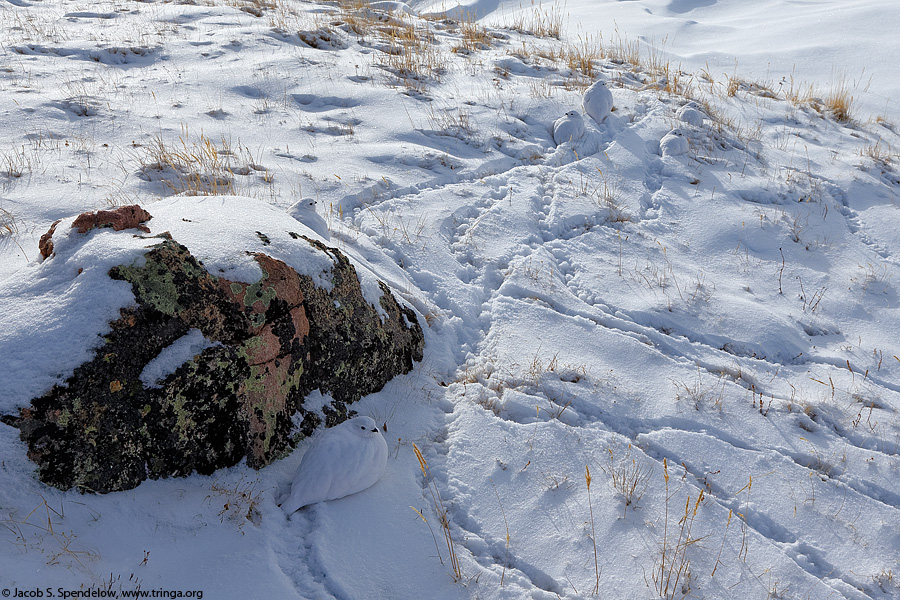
(240, 502)
(190, 168)
(360, 18)
(587, 478)
(627, 477)
(677, 82)
(672, 576)
(881, 153)
(16, 162)
(200, 167)
(839, 102)
(283, 17)
(699, 392)
(624, 51)
(253, 7)
(8, 226)
(413, 54)
(540, 22)
(798, 93)
(732, 85)
(582, 58)
(605, 193)
(474, 36)
(441, 511)
(38, 531)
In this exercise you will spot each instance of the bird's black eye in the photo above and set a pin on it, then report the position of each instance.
(363, 427)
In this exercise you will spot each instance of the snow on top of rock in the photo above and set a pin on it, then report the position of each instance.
(65, 303)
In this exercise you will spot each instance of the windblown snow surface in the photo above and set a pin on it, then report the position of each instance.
(694, 302)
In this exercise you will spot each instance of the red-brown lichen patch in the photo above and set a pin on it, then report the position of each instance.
(282, 278)
(263, 348)
(266, 407)
(301, 323)
(46, 243)
(124, 217)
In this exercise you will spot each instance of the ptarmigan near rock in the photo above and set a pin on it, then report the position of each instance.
(568, 128)
(342, 460)
(598, 101)
(305, 212)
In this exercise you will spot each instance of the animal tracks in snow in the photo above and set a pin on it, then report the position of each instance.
(120, 56)
(724, 311)
(314, 103)
(296, 556)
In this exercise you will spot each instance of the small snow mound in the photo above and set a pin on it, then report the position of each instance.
(598, 101)
(391, 6)
(568, 128)
(673, 144)
(690, 115)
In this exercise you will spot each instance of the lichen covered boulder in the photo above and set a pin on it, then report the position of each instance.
(214, 358)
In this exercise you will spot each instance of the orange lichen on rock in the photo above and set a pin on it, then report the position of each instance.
(46, 243)
(124, 217)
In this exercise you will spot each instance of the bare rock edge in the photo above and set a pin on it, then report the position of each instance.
(277, 340)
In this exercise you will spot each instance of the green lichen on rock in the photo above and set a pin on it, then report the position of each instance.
(354, 348)
(277, 339)
(197, 428)
(172, 281)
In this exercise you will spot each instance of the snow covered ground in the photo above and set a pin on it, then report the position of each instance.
(824, 43)
(661, 359)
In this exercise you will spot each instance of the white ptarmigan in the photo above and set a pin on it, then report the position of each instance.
(598, 101)
(568, 128)
(342, 460)
(305, 212)
(674, 144)
(690, 115)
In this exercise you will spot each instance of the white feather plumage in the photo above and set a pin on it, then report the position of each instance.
(568, 128)
(342, 460)
(674, 144)
(305, 212)
(598, 101)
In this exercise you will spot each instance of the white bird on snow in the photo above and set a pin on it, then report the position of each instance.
(674, 144)
(342, 460)
(305, 212)
(598, 101)
(568, 128)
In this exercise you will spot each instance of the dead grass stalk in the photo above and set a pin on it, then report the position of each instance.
(441, 511)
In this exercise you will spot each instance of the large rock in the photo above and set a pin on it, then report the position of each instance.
(265, 345)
